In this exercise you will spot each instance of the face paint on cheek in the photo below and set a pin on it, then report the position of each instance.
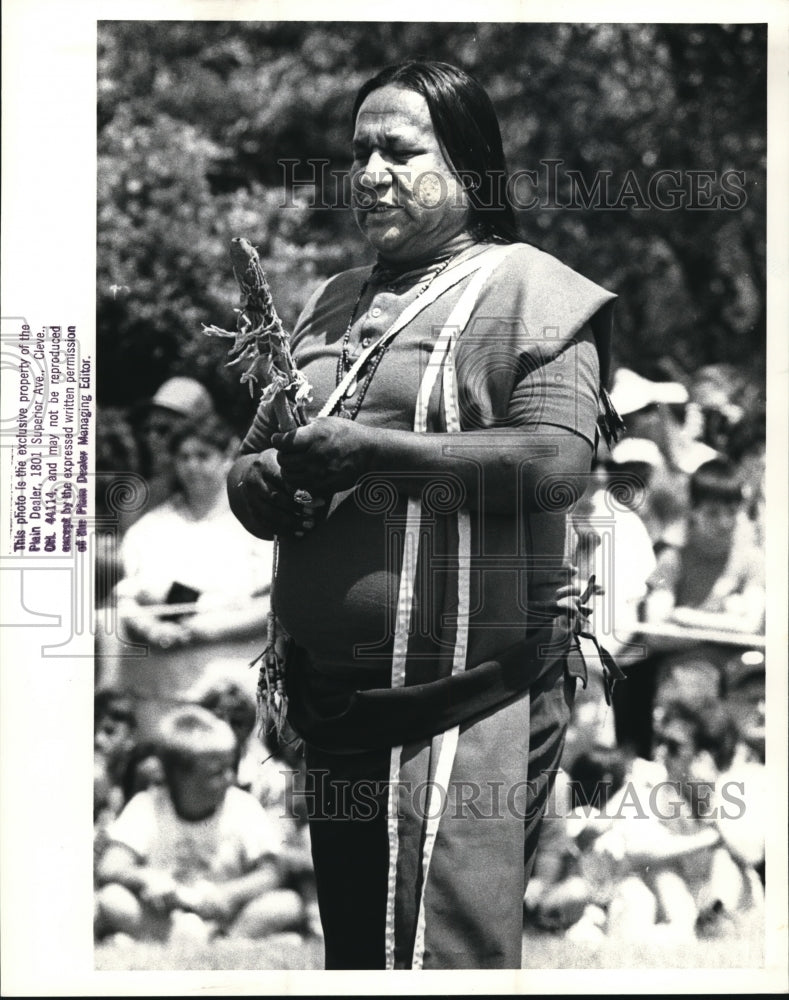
(430, 190)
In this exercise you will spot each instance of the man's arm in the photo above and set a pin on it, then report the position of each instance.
(504, 469)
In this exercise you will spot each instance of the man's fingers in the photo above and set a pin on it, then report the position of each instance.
(290, 441)
(291, 464)
(263, 511)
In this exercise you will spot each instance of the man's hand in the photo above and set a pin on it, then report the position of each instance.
(263, 502)
(327, 456)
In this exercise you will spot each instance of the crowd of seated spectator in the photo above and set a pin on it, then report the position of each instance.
(673, 529)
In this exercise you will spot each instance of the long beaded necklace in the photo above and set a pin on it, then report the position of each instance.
(344, 364)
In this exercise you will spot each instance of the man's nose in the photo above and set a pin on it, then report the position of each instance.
(376, 171)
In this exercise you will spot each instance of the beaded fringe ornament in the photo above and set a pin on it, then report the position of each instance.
(261, 340)
(272, 698)
(609, 423)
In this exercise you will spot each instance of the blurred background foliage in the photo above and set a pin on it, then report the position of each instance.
(195, 120)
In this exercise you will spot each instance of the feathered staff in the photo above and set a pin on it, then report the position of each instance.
(261, 340)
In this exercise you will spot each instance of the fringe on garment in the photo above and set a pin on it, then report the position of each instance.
(584, 629)
(609, 423)
(272, 699)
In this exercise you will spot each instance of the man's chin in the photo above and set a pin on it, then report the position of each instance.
(387, 240)
(384, 228)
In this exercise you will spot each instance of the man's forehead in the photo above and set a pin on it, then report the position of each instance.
(390, 127)
(393, 108)
(390, 123)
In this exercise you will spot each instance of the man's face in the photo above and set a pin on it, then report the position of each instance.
(407, 201)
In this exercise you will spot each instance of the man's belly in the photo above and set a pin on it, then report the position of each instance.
(336, 589)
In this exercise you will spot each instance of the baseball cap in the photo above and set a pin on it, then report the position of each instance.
(637, 450)
(185, 396)
(631, 392)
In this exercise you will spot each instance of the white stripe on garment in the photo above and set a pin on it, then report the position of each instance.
(405, 602)
(439, 787)
(457, 320)
(451, 277)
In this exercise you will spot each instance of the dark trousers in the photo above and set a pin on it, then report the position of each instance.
(347, 800)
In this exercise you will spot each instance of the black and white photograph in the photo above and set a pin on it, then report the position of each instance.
(393, 445)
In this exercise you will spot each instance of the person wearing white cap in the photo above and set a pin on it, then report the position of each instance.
(177, 401)
(645, 408)
(183, 396)
(632, 393)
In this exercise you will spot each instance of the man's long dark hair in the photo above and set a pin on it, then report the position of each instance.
(467, 129)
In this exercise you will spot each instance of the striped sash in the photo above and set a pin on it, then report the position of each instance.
(440, 365)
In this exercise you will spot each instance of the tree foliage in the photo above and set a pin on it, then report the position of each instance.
(197, 121)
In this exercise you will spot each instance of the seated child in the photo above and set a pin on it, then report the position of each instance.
(114, 742)
(114, 731)
(272, 771)
(556, 896)
(678, 875)
(197, 846)
(715, 579)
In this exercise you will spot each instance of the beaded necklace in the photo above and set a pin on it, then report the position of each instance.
(344, 364)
